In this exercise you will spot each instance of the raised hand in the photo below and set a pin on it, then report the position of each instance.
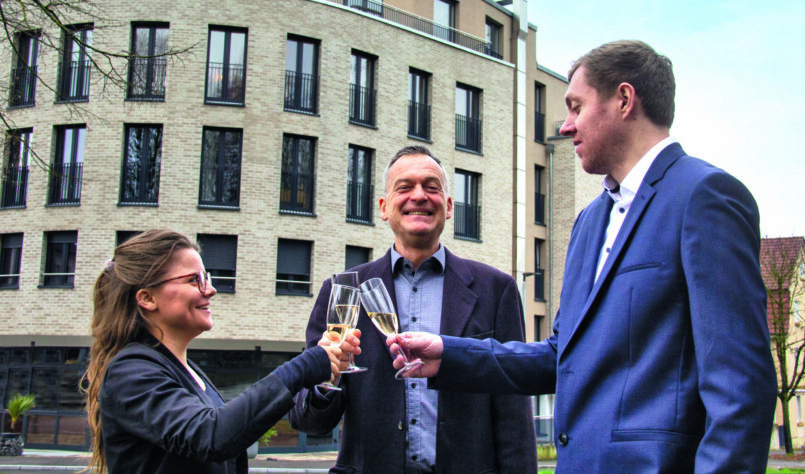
(425, 346)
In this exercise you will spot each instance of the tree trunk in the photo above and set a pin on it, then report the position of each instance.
(789, 444)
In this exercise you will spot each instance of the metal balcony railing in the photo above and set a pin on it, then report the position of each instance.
(225, 83)
(418, 120)
(359, 202)
(468, 220)
(65, 184)
(362, 102)
(74, 81)
(147, 78)
(15, 186)
(468, 133)
(423, 25)
(296, 193)
(23, 86)
(301, 92)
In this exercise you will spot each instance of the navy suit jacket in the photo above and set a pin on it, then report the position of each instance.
(478, 433)
(663, 364)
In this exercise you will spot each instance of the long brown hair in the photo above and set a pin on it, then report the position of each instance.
(117, 319)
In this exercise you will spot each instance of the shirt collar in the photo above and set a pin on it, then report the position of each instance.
(628, 187)
(437, 259)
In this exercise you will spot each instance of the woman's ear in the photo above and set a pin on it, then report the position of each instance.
(146, 300)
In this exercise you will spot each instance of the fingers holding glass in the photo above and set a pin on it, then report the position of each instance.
(344, 300)
(349, 279)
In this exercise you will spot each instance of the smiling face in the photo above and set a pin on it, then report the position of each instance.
(416, 204)
(594, 123)
(177, 307)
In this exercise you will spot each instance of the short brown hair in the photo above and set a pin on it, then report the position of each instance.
(635, 62)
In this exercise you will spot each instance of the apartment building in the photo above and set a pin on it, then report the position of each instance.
(265, 141)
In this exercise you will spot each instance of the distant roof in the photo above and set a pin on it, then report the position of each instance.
(780, 254)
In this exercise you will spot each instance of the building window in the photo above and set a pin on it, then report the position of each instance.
(67, 169)
(539, 272)
(301, 75)
(293, 267)
(15, 168)
(148, 64)
(418, 105)
(123, 236)
(468, 121)
(359, 185)
(444, 19)
(362, 94)
(141, 165)
(296, 189)
(10, 259)
(60, 259)
(24, 72)
(226, 66)
(539, 113)
(492, 35)
(220, 167)
(466, 210)
(356, 256)
(539, 196)
(538, 328)
(220, 254)
(74, 70)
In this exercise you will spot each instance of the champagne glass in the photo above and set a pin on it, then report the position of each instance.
(349, 279)
(378, 305)
(344, 300)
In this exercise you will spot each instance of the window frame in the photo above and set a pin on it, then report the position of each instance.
(156, 63)
(492, 34)
(362, 91)
(220, 169)
(293, 181)
(467, 208)
(16, 161)
(295, 81)
(74, 79)
(419, 112)
(140, 200)
(24, 75)
(67, 251)
(469, 126)
(64, 188)
(360, 190)
(292, 286)
(222, 247)
(11, 261)
(226, 98)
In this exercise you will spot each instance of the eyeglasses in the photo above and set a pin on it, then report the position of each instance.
(202, 280)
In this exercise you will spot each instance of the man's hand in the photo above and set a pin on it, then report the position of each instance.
(339, 353)
(425, 346)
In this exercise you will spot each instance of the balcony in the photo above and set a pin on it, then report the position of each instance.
(418, 120)
(65, 184)
(147, 78)
(468, 133)
(362, 102)
(359, 202)
(225, 83)
(467, 221)
(74, 81)
(402, 17)
(301, 92)
(23, 86)
(15, 185)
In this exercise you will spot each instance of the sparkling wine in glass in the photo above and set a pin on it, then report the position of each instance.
(349, 279)
(378, 305)
(344, 300)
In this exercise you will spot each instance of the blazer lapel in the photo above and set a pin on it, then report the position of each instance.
(458, 300)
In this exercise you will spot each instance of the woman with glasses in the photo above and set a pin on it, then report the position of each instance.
(150, 409)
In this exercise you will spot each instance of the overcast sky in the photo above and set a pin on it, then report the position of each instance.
(740, 73)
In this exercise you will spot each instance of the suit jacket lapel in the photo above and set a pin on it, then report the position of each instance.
(458, 300)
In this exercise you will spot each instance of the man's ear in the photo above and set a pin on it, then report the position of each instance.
(627, 100)
(382, 203)
(449, 208)
(146, 300)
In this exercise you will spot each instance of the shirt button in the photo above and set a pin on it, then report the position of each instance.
(413, 422)
(415, 290)
(607, 249)
(563, 439)
(413, 319)
(413, 457)
(413, 385)
(622, 210)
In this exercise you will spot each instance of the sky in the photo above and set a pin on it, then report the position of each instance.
(740, 82)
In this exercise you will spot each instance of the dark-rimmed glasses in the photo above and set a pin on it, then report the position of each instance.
(202, 280)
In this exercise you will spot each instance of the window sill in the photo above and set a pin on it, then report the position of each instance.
(9, 287)
(225, 103)
(364, 125)
(468, 239)
(301, 111)
(219, 207)
(71, 101)
(145, 99)
(359, 221)
(57, 287)
(134, 204)
(21, 106)
(282, 293)
(297, 213)
(63, 204)
(21, 206)
(422, 139)
(468, 150)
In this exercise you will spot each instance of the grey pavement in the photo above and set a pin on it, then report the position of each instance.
(45, 461)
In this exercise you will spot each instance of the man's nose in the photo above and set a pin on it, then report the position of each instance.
(567, 129)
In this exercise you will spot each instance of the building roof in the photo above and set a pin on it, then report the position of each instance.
(779, 257)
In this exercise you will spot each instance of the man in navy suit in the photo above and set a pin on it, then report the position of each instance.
(660, 356)
(395, 426)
